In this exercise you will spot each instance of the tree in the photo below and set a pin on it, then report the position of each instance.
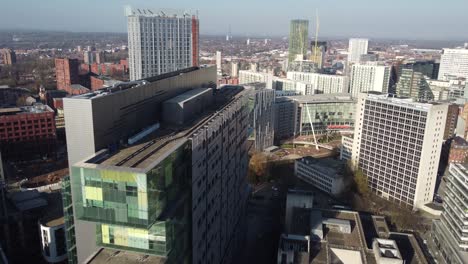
(360, 181)
(258, 166)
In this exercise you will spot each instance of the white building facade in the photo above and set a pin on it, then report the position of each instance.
(346, 149)
(161, 41)
(324, 174)
(366, 78)
(357, 47)
(397, 144)
(322, 83)
(253, 77)
(218, 62)
(453, 63)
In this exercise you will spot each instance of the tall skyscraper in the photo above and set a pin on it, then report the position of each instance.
(298, 39)
(218, 62)
(397, 144)
(161, 41)
(262, 118)
(413, 84)
(450, 232)
(8, 56)
(453, 63)
(105, 118)
(357, 47)
(66, 72)
(366, 78)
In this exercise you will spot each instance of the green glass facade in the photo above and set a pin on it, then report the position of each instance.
(331, 116)
(143, 212)
(298, 38)
(412, 84)
(69, 221)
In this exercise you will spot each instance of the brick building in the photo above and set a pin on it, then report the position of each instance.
(66, 72)
(27, 132)
(451, 123)
(458, 151)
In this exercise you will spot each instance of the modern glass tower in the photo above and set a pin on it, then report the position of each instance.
(298, 36)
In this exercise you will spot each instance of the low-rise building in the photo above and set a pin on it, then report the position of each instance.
(27, 131)
(346, 149)
(458, 151)
(324, 174)
(386, 251)
(320, 112)
(52, 229)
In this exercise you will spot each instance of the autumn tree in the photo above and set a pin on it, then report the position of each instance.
(360, 181)
(258, 167)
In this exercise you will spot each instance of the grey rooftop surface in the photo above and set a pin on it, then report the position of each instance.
(187, 96)
(124, 257)
(321, 98)
(143, 156)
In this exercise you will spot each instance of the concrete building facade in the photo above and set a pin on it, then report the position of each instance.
(104, 118)
(262, 118)
(356, 48)
(8, 56)
(367, 78)
(453, 63)
(324, 174)
(161, 41)
(397, 144)
(450, 232)
(322, 83)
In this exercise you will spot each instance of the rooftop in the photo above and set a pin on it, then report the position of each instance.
(122, 86)
(321, 98)
(187, 96)
(402, 102)
(153, 147)
(329, 166)
(35, 109)
(105, 255)
(166, 12)
(53, 221)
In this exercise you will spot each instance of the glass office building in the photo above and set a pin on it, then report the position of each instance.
(298, 38)
(116, 199)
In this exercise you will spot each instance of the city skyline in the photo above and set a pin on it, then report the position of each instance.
(361, 18)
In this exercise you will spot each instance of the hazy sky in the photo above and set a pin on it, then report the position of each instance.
(410, 19)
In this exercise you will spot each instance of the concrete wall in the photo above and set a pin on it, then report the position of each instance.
(95, 124)
(219, 167)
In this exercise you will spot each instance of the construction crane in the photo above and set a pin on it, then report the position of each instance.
(316, 48)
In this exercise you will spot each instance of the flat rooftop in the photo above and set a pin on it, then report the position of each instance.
(321, 98)
(187, 96)
(152, 147)
(331, 167)
(401, 102)
(35, 109)
(106, 256)
(123, 86)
